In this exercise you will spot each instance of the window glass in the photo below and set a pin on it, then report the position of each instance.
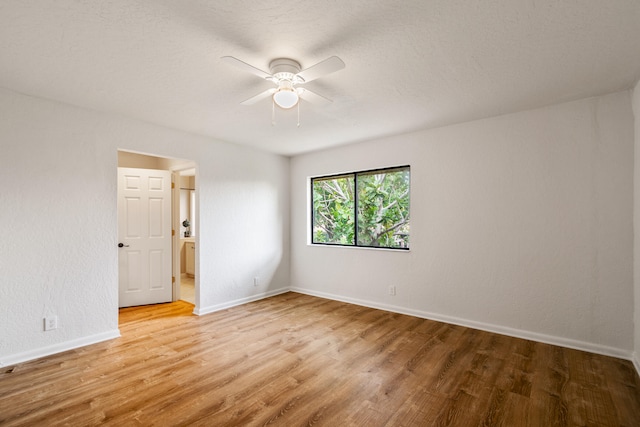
(383, 208)
(333, 210)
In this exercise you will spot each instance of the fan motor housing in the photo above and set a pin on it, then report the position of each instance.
(284, 68)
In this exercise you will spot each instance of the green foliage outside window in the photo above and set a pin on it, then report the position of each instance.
(382, 212)
(333, 210)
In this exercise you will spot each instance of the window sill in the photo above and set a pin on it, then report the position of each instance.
(316, 245)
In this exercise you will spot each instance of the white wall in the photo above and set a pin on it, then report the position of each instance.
(58, 213)
(636, 218)
(521, 224)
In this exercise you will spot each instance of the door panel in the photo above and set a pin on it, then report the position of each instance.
(132, 266)
(156, 213)
(133, 214)
(144, 230)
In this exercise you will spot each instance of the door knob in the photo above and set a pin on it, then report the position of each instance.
(122, 245)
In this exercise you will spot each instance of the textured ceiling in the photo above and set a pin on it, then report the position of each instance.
(409, 65)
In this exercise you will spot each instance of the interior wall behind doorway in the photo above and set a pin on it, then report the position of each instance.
(127, 159)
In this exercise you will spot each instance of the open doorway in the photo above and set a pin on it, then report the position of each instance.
(186, 185)
(183, 208)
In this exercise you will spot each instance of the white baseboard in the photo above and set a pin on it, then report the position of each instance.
(517, 333)
(14, 359)
(228, 304)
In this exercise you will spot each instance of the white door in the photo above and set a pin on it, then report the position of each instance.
(144, 236)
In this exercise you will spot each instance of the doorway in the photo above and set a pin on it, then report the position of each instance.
(188, 233)
(183, 204)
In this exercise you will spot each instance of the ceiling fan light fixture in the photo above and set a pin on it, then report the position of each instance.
(286, 97)
(286, 74)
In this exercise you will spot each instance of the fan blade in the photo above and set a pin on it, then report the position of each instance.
(259, 97)
(328, 66)
(244, 66)
(313, 97)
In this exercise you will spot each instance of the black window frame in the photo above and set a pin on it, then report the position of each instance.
(355, 204)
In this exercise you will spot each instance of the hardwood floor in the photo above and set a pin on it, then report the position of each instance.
(296, 360)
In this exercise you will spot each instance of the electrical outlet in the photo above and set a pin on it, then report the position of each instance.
(255, 281)
(392, 290)
(50, 323)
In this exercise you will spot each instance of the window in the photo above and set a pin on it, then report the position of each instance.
(368, 208)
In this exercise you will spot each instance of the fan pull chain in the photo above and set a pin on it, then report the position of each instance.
(298, 113)
(273, 112)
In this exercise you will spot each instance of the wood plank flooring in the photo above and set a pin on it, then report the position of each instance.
(295, 360)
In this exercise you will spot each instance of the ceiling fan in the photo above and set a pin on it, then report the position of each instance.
(287, 76)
